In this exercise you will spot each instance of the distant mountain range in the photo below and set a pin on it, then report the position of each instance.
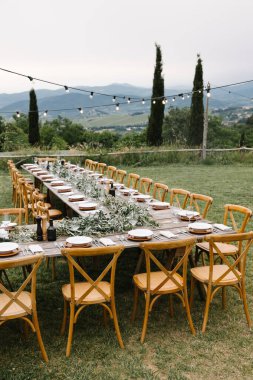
(56, 100)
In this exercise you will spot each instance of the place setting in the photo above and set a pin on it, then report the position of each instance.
(9, 249)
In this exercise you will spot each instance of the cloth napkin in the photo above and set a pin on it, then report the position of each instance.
(222, 227)
(35, 248)
(167, 234)
(107, 242)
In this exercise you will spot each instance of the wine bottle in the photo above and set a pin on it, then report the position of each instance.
(112, 190)
(51, 231)
(39, 232)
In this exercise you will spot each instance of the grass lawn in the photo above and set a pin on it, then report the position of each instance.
(225, 351)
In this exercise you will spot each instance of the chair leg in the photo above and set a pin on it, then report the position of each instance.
(192, 290)
(40, 341)
(245, 305)
(187, 309)
(71, 328)
(208, 301)
(224, 297)
(64, 321)
(145, 322)
(116, 324)
(105, 317)
(53, 269)
(136, 297)
(171, 305)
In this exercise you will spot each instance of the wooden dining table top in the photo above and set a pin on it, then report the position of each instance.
(166, 218)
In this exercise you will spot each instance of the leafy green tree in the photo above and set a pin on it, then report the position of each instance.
(195, 135)
(155, 122)
(33, 118)
(13, 138)
(176, 125)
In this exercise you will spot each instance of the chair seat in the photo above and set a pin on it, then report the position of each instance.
(93, 297)
(226, 249)
(155, 279)
(14, 310)
(202, 274)
(53, 213)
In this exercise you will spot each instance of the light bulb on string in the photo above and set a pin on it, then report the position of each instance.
(31, 79)
(45, 113)
(17, 114)
(66, 88)
(143, 101)
(166, 100)
(117, 107)
(128, 100)
(200, 91)
(174, 99)
(114, 99)
(163, 101)
(154, 101)
(80, 109)
(188, 95)
(91, 95)
(208, 93)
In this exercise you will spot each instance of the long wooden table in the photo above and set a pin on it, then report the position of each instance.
(166, 218)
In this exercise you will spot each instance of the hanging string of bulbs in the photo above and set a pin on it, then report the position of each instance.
(115, 102)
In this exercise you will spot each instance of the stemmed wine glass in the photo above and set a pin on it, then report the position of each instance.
(189, 212)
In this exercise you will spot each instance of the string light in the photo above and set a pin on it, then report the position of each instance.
(80, 109)
(173, 99)
(128, 100)
(45, 113)
(208, 93)
(117, 107)
(166, 100)
(114, 99)
(143, 101)
(91, 95)
(163, 101)
(188, 95)
(18, 114)
(199, 91)
(154, 101)
(66, 88)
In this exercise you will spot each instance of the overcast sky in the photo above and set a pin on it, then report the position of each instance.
(98, 42)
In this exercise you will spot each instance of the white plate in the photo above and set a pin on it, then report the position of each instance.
(8, 225)
(63, 188)
(200, 226)
(75, 197)
(87, 205)
(188, 214)
(118, 185)
(160, 205)
(141, 196)
(140, 233)
(57, 183)
(8, 247)
(79, 240)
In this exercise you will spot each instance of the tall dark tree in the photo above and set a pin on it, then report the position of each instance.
(33, 120)
(195, 135)
(155, 122)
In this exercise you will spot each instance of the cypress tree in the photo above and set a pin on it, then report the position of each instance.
(33, 120)
(195, 135)
(155, 122)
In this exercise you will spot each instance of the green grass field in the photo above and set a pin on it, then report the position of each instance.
(170, 351)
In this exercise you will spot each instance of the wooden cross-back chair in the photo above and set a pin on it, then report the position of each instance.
(133, 180)
(154, 284)
(201, 203)
(43, 208)
(219, 276)
(17, 213)
(111, 170)
(160, 191)
(101, 167)
(145, 185)
(120, 175)
(87, 163)
(93, 165)
(22, 303)
(179, 197)
(235, 216)
(79, 295)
